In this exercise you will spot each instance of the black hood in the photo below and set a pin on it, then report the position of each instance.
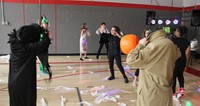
(29, 33)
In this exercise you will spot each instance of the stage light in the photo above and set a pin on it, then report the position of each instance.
(153, 21)
(160, 21)
(150, 21)
(175, 22)
(167, 22)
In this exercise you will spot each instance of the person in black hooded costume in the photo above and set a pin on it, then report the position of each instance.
(24, 45)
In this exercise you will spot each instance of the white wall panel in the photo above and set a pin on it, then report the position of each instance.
(187, 3)
(176, 3)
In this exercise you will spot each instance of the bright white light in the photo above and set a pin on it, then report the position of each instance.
(160, 21)
(167, 22)
(153, 21)
(175, 21)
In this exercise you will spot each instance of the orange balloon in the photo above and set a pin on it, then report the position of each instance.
(128, 42)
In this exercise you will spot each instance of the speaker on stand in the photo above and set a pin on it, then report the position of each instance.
(195, 21)
(150, 17)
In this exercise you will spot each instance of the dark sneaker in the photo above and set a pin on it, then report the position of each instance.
(87, 58)
(49, 72)
(126, 80)
(111, 77)
(48, 65)
(81, 59)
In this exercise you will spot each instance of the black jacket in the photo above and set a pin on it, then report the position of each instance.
(113, 44)
(182, 45)
(103, 39)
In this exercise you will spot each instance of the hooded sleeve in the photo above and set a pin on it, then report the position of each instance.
(143, 56)
(39, 46)
(138, 57)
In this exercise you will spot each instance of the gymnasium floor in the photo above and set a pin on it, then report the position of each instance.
(83, 83)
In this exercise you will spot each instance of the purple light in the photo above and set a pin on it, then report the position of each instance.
(198, 89)
(113, 92)
(129, 73)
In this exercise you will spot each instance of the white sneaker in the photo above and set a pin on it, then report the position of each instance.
(181, 92)
(174, 96)
(135, 82)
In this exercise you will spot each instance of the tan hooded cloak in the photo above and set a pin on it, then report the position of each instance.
(156, 62)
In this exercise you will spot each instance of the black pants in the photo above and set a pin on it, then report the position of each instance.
(44, 58)
(100, 48)
(137, 72)
(178, 73)
(119, 65)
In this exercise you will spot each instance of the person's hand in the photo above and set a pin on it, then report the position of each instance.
(84, 30)
(144, 41)
(117, 34)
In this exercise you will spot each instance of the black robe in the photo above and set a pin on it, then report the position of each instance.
(22, 69)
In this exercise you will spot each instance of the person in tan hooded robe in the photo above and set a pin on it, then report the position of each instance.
(155, 56)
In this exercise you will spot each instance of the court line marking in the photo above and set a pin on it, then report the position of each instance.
(45, 79)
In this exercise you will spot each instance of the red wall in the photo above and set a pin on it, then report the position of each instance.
(110, 4)
(92, 3)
